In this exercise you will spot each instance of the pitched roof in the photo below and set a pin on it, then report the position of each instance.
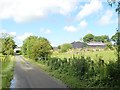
(77, 44)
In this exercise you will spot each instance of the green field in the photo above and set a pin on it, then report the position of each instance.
(105, 55)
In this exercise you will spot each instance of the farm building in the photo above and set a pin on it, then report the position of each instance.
(96, 44)
(77, 45)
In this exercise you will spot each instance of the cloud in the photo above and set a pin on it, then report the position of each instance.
(83, 24)
(26, 10)
(88, 9)
(46, 31)
(106, 18)
(12, 33)
(70, 28)
(24, 36)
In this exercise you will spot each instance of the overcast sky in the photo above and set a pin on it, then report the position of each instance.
(59, 21)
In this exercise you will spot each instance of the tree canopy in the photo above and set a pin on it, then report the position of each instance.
(8, 44)
(91, 37)
(36, 47)
(88, 38)
(115, 37)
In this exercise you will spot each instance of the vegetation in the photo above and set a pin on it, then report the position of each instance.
(91, 37)
(36, 48)
(107, 55)
(109, 46)
(81, 71)
(65, 47)
(80, 68)
(8, 44)
(88, 38)
(115, 37)
(7, 72)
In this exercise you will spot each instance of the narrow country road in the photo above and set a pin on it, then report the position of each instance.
(27, 75)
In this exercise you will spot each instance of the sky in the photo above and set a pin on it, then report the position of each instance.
(60, 21)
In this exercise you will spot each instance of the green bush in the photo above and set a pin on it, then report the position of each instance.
(65, 47)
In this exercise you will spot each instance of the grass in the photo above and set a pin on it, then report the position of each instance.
(105, 55)
(0, 75)
(7, 70)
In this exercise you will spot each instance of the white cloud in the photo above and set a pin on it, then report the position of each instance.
(83, 24)
(46, 31)
(24, 36)
(12, 33)
(25, 10)
(106, 18)
(88, 9)
(70, 28)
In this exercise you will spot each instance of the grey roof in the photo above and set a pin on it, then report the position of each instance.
(77, 44)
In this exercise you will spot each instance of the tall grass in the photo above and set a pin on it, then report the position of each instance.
(7, 70)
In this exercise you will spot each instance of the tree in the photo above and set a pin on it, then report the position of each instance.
(88, 38)
(105, 38)
(65, 47)
(115, 37)
(8, 44)
(91, 37)
(35, 48)
(109, 46)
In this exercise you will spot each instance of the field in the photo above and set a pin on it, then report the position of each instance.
(107, 55)
(6, 70)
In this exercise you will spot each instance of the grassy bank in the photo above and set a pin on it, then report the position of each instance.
(7, 70)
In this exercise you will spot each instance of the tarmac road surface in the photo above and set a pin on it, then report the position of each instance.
(27, 75)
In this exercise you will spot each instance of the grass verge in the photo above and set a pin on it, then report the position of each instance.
(7, 71)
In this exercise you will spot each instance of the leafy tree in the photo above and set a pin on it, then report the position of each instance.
(91, 37)
(109, 46)
(88, 38)
(105, 38)
(65, 47)
(35, 48)
(115, 37)
(97, 39)
(8, 45)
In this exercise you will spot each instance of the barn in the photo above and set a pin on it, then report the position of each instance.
(77, 44)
